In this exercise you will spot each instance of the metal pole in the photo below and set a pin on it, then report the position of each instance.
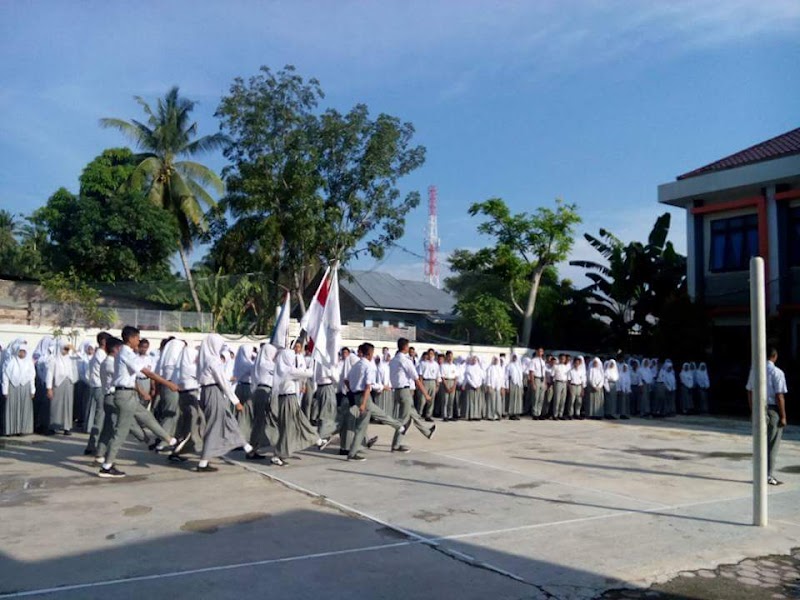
(758, 351)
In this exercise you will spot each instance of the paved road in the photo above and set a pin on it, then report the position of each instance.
(506, 510)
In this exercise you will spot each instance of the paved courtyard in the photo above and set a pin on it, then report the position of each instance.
(505, 510)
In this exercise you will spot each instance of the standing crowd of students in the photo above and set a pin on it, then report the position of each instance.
(209, 400)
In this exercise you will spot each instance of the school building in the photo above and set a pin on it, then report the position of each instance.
(746, 204)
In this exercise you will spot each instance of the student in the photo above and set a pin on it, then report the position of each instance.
(169, 400)
(191, 425)
(18, 389)
(429, 373)
(647, 396)
(686, 390)
(295, 432)
(610, 408)
(113, 346)
(595, 389)
(536, 375)
(362, 409)
(61, 378)
(549, 393)
(702, 385)
(577, 380)
(636, 388)
(43, 357)
(561, 373)
(95, 414)
(242, 373)
(624, 391)
(514, 378)
(262, 398)
(472, 409)
(403, 377)
(495, 389)
(144, 383)
(776, 410)
(127, 406)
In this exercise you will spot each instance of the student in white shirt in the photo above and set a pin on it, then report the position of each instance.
(536, 382)
(403, 376)
(95, 414)
(561, 373)
(448, 373)
(776, 410)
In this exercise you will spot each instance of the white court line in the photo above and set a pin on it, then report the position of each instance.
(561, 483)
(416, 540)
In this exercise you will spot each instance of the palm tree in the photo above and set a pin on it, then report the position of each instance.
(177, 186)
(9, 227)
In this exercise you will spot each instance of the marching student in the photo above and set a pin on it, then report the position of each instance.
(403, 377)
(295, 432)
(95, 413)
(242, 373)
(169, 401)
(127, 407)
(362, 409)
(191, 425)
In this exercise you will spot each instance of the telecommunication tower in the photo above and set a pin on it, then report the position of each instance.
(432, 240)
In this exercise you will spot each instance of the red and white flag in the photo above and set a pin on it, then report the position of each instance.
(280, 333)
(323, 320)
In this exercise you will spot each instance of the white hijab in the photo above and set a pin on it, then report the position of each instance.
(687, 377)
(210, 370)
(264, 365)
(64, 366)
(243, 364)
(701, 377)
(186, 372)
(625, 379)
(597, 376)
(18, 371)
(611, 371)
(169, 359)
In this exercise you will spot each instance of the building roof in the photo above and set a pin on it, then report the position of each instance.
(785, 144)
(376, 290)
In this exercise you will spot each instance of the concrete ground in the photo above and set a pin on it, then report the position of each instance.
(505, 510)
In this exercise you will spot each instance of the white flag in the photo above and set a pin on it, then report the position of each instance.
(323, 321)
(280, 333)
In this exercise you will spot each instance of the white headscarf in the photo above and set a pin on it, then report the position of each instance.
(611, 371)
(169, 359)
(64, 366)
(701, 377)
(264, 365)
(625, 379)
(18, 371)
(210, 369)
(687, 377)
(243, 365)
(186, 372)
(597, 377)
(667, 375)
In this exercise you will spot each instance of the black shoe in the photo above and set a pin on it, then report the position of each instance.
(87, 452)
(254, 456)
(431, 432)
(371, 442)
(181, 444)
(429, 419)
(154, 445)
(111, 473)
(403, 449)
(357, 458)
(624, 417)
(343, 453)
(239, 449)
(406, 425)
(206, 469)
(445, 420)
(67, 432)
(513, 418)
(176, 458)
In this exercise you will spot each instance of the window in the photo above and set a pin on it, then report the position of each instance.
(794, 236)
(733, 242)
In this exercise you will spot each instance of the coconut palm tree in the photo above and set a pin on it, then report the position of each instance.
(178, 186)
(9, 227)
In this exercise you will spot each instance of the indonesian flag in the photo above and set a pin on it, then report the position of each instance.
(323, 321)
(280, 333)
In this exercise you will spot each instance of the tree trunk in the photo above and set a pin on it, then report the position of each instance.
(527, 324)
(190, 279)
(298, 291)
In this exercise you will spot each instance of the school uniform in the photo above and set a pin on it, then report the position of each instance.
(18, 389)
(536, 375)
(403, 377)
(95, 413)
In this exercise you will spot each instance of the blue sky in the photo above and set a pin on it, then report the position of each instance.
(595, 102)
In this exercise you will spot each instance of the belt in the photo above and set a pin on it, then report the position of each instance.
(247, 383)
(539, 378)
(189, 390)
(119, 387)
(264, 385)
(428, 380)
(208, 385)
(322, 385)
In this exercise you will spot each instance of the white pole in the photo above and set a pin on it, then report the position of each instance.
(758, 351)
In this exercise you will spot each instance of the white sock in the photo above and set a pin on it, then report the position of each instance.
(248, 448)
(402, 430)
(172, 442)
(203, 464)
(107, 466)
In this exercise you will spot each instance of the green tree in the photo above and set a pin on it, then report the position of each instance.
(177, 186)
(636, 282)
(107, 232)
(541, 240)
(305, 188)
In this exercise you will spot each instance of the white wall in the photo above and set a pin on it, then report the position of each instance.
(33, 334)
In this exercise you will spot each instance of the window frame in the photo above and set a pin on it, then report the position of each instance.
(745, 226)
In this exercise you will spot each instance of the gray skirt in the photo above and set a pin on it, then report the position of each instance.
(596, 402)
(295, 431)
(515, 400)
(471, 404)
(61, 406)
(222, 432)
(18, 410)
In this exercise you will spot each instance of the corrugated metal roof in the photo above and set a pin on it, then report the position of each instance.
(373, 289)
(785, 144)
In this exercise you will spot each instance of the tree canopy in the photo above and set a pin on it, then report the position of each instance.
(106, 232)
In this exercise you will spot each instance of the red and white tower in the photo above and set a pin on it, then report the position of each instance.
(432, 240)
